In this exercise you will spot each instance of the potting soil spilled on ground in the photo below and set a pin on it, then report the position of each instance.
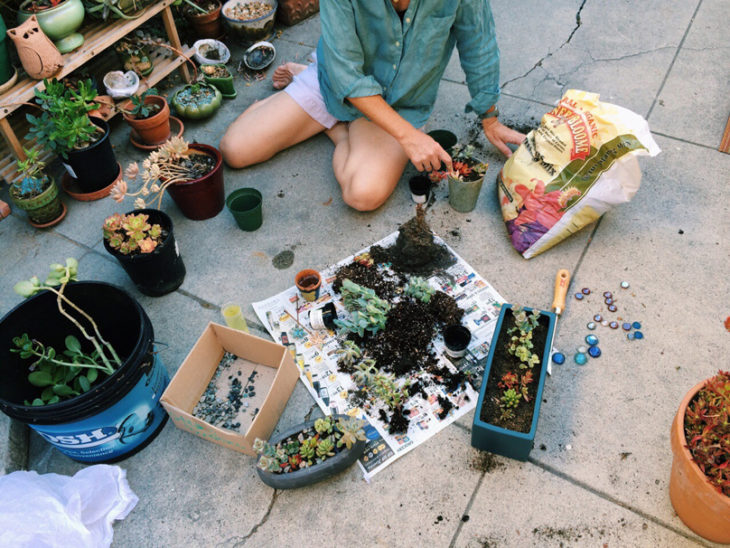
(231, 400)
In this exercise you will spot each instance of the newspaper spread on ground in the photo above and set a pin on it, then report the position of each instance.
(286, 316)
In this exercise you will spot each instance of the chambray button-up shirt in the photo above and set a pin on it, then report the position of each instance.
(366, 49)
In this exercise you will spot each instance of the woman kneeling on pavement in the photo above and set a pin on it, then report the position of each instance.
(371, 86)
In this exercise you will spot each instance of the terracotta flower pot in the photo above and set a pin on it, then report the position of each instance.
(202, 198)
(206, 25)
(155, 129)
(308, 283)
(698, 503)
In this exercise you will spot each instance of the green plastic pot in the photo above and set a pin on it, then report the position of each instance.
(197, 110)
(224, 85)
(41, 209)
(463, 195)
(245, 206)
(58, 23)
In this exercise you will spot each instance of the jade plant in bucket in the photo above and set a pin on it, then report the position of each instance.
(36, 193)
(63, 373)
(65, 128)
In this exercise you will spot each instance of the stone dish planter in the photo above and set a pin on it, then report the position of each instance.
(313, 474)
(250, 30)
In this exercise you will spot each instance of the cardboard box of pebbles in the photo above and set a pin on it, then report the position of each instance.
(231, 388)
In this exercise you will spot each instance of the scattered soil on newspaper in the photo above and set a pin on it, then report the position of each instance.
(415, 251)
(504, 362)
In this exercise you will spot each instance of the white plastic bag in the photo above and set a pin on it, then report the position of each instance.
(578, 164)
(52, 510)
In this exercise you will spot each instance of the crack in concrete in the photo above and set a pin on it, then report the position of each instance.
(308, 415)
(578, 24)
(260, 523)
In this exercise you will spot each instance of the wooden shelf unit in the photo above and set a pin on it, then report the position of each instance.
(98, 36)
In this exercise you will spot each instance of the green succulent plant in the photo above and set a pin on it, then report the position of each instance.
(368, 312)
(420, 289)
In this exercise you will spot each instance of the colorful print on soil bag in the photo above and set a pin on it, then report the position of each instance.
(570, 170)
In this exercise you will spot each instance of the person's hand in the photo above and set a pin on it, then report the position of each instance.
(425, 153)
(499, 135)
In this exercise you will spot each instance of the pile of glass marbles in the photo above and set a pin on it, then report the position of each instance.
(632, 329)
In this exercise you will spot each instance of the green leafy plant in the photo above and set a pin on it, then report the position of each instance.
(60, 374)
(324, 426)
(325, 448)
(368, 312)
(520, 344)
(140, 109)
(365, 372)
(33, 180)
(420, 289)
(64, 124)
(349, 353)
(129, 234)
(707, 430)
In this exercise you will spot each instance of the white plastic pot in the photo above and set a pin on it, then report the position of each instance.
(223, 52)
(120, 84)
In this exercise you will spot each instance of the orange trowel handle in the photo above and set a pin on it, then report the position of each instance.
(562, 281)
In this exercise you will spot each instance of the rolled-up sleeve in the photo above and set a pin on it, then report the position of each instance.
(341, 55)
(478, 52)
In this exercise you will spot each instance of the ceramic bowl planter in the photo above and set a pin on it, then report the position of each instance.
(197, 101)
(157, 272)
(247, 20)
(205, 25)
(500, 439)
(110, 417)
(220, 77)
(259, 56)
(210, 52)
(308, 283)
(45, 209)
(59, 23)
(337, 459)
(699, 504)
(155, 128)
(201, 198)
(245, 206)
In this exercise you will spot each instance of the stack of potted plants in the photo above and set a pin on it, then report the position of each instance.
(65, 128)
(36, 193)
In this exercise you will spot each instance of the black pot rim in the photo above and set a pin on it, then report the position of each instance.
(166, 224)
(460, 332)
(419, 185)
(99, 122)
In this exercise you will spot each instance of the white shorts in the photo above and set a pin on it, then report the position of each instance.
(304, 89)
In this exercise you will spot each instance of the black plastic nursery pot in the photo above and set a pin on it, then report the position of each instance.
(495, 439)
(120, 414)
(456, 339)
(316, 473)
(94, 167)
(157, 273)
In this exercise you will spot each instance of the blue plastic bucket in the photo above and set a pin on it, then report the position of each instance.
(120, 414)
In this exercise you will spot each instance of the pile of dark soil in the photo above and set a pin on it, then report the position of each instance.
(415, 251)
(503, 362)
(196, 164)
(370, 277)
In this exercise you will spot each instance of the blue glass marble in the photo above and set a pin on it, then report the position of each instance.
(586, 291)
(592, 340)
(559, 358)
(626, 326)
(630, 336)
(613, 325)
(597, 318)
(579, 296)
(607, 294)
(582, 349)
(612, 308)
(636, 325)
(608, 300)
(624, 285)
(591, 325)
(580, 358)
(604, 323)
(594, 351)
(638, 335)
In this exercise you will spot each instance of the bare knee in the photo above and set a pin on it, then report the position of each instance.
(365, 195)
(239, 152)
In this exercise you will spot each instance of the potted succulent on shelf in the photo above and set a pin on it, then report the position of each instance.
(197, 101)
(220, 77)
(192, 173)
(205, 17)
(79, 367)
(699, 485)
(66, 129)
(134, 56)
(36, 193)
(506, 415)
(465, 179)
(59, 20)
(149, 116)
(310, 452)
(251, 20)
(122, 9)
(144, 244)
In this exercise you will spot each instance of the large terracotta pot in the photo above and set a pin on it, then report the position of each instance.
(698, 503)
(206, 25)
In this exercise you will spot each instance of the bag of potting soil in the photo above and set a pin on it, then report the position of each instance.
(571, 169)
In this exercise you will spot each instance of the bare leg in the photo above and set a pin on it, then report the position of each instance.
(368, 163)
(284, 74)
(265, 128)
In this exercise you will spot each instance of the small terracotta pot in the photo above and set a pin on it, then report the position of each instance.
(697, 502)
(154, 130)
(207, 25)
(106, 107)
(310, 290)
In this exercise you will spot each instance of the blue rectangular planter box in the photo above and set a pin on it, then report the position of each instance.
(485, 436)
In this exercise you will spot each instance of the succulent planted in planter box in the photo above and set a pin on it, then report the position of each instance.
(520, 345)
(64, 124)
(311, 446)
(132, 233)
(707, 430)
(72, 371)
(368, 312)
(173, 162)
